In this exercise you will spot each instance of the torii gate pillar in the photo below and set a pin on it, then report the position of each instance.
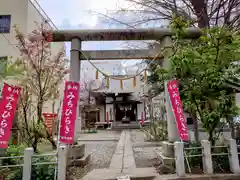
(171, 123)
(75, 67)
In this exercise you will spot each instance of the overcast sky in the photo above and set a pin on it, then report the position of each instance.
(84, 14)
(77, 13)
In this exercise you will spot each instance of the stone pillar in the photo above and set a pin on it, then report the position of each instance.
(179, 159)
(171, 123)
(62, 163)
(207, 157)
(75, 67)
(233, 156)
(27, 167)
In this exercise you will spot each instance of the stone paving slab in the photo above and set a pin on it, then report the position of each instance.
(123, 158)
(117, 158)
(128, 158)
(112, 174)
(116, 162)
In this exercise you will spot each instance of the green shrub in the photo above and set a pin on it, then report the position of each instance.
(39, 172)
(13, 173)
(220, 162)
(193, 161)
(13, 150)
(43, 172)
(156, 131)
(219, 158)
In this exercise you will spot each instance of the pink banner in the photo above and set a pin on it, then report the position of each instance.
(69, 112)
(8, 106)
(178, 109)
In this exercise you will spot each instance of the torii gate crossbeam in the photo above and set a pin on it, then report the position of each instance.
(119, 34)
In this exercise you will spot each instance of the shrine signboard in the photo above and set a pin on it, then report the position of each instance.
(178, 109)
(69, 112)
(8, 107)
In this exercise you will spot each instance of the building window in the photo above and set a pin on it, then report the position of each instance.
(5, 23)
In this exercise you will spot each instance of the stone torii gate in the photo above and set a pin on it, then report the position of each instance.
(76, 37)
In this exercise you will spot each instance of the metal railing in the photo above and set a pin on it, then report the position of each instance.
(208, 156)
(34, 157)
(26, 162)
(11, 157)
(44, 15)
(187, 149)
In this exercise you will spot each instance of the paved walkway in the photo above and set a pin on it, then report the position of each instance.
(123, 158)
(122, 163)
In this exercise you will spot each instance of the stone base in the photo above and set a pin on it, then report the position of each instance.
(76, 155)
(76, 152)
(167, 149)
(80, 162)
(166, 158)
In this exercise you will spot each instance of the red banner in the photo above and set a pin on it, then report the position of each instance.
(8, 106)
(69, 112)
(178, 109)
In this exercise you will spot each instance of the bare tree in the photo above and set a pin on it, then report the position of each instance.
(203, 13)
(44, 73)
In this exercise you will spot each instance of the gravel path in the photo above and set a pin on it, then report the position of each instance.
(102, 151)
(144, 152)
(101, 154)
(101, 146)
(145, 157)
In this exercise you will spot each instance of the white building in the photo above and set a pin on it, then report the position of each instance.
(25, 14)
(109, 67)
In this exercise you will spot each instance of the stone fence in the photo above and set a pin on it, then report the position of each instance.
(180, 156)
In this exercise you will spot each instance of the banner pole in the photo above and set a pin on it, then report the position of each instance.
(60, 118)
(185, 154)
(58, 135)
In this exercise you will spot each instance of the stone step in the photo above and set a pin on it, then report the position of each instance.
(113, 174)
(125, 126)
